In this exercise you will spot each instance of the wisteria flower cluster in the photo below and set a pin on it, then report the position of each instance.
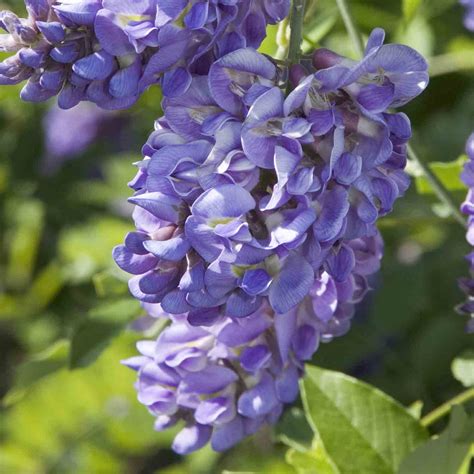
(255, 209)
(227, 380)
(109, 51)
(469, 16)
(467, 284)
(255, 215)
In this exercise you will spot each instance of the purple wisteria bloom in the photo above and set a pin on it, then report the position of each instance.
(69, 133)
(245, 196)
(469, 16)
(467, 284)
(226, 381)
(109, 51)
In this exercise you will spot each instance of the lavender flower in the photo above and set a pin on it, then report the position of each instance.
(467, 284)
(68, 133)
(228, 380)
(245, 196)
(469, 16)
(109, 51)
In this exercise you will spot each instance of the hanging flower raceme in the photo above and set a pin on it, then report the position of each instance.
(467, 284)
(469, 16)
(109, 52)
(226, 381)
(246, 196)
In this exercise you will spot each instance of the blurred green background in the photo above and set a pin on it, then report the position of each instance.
(63, 304)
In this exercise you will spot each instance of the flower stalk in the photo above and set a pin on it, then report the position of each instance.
(443, 195)
(296, 37)
(445, 408)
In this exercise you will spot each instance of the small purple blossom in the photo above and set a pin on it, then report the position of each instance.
(109, 51)
(469, 15)
(227, 380)
(68, 133)
(467, 207)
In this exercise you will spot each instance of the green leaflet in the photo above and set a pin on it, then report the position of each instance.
(448, 173)
(32, 371)
(446, 454)
(410, 8)
(362, 429)
(463, 368)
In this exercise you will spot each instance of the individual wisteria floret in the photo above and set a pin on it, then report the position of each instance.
(245, 197)
(109, 51)
(222, 383)
(467, 284)
(469, 16)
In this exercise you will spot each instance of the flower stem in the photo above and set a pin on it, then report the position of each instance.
(445, 408)
(351, 28)
(441, 192)
(443, 195)
(296, 37)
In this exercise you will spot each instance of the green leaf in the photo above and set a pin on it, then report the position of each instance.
(119, 311)
(108, 283)
(320, 25)
(361, 428)
(45, 287)
(448, 173)
(463, 368)
(294, 430)
(315, 461)
(26, 220)
(89, 340)
(415, 409)
(446, 454)
(43, 364)
(85, 250)
(270, 44)
(410, 8)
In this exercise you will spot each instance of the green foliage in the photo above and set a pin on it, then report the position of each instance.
(294, 430)
(446, 454)
(448, 173)
(410, 8)
(463, 368)
(43, 364)
(63, 302)
(79, 421)
(94, 334)
(86, 249)
(352, 417)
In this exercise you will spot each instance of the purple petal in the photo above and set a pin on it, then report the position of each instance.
(259, 400)
(210, 380)
(255, 282)
(95, 67)
(228, 435)
(223, 201)
(173, 249)
(131, 262)
(291, 285)
(160, 205)
(191, 439)
(255, 358)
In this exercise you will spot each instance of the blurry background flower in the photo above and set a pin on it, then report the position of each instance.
(469, 15)
(69, 133)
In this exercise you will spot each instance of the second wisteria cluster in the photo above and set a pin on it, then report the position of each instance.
(467, 284)
(255, 215)
(109, 51)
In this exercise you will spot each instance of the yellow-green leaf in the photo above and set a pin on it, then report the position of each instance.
(362, 429)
